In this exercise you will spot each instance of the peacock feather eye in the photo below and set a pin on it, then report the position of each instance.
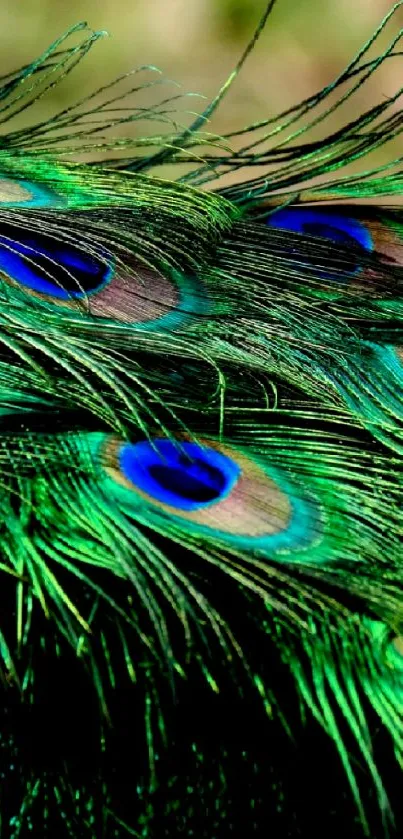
(26, 194)
(59, 271)
(335, 227)
(331, 225)
(216, 490)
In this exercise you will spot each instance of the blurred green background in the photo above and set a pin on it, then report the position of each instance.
(197, 43)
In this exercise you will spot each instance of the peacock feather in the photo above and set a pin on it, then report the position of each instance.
(201, 438)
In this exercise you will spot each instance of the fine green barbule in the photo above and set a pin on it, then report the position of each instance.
(201, 438)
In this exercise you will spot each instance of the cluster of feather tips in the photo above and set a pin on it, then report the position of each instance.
(201, 438)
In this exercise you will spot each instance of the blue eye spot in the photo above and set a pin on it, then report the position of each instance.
(44, 264)
(334, 227)
(184, 475)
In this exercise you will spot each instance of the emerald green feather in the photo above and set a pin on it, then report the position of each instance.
(201, 474)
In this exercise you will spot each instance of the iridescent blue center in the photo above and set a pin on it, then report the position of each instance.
(50, 266)
(183, 475)
(334, 227)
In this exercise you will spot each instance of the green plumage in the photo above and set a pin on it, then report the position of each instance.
(201, 436)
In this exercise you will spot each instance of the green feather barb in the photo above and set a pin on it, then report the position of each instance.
(201, 476)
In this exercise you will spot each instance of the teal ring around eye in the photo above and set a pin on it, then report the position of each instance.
(41, 196)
